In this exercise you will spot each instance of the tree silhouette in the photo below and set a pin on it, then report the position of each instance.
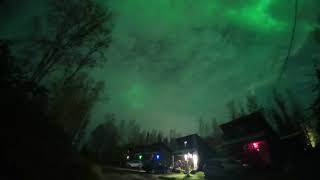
(216, 131)
(78, 35)
(232, 108)
(71, 105)
(252, 104)
(104, 141)
(316, 103)
(316, 31)
(33, 147)
(201, 127)
(242, 111)
(283, 108)
(279, 122)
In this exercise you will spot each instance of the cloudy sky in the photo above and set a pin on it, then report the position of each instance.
(174, 61)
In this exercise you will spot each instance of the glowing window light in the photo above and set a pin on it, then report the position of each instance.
(195, 161)
(255, 145)
(313, 138)
(186, 157)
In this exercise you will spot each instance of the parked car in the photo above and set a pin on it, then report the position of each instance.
(134, 164)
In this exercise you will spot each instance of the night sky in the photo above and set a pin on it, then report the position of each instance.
(174, 61)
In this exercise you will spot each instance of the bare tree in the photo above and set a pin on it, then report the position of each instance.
(201, 127)
(316, 31)
(231, 107)
(133, 132)
(160, 137)
(153, 136)
(252, 104)
(315, 106)
(284, 110)
(78, 35)
(281, 105)
(172, 137)
(104, 141)
(71, 105)
(215, 138)
(242, 111)
(216, 131)
(279, 122)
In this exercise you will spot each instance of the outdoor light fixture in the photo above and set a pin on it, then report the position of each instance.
(185, 143)
(157, 156)
(128, 157)
(140, 157)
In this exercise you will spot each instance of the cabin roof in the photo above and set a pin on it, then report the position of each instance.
(248, 125)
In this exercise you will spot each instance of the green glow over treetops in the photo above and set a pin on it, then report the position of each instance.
(173, 61)
(136, 96)
(256, 16)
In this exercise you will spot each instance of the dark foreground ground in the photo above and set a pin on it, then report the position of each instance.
(127, 174)
(306, 168)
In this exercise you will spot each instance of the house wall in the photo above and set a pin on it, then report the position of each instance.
(165, 157)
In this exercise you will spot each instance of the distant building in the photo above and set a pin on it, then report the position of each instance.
(251, 139)
(191, 148)
(158, 153)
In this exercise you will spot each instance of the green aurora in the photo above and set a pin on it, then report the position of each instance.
(174, 61)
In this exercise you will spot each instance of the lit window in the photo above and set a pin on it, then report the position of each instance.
(186, 157)
(255, 146)
(195, 161)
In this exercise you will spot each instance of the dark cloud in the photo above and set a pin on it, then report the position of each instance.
(174, 61)
(190, 58)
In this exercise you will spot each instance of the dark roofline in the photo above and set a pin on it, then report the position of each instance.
(242, 118)
(249, 118)
(244, 139)
(291, 135)
(191, 135)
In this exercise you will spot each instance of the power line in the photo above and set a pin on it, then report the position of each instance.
(284, 65)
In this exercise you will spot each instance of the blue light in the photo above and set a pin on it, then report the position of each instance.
(157, 156)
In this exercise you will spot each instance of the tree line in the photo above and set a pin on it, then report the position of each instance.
(47, 92)
(110, 140)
